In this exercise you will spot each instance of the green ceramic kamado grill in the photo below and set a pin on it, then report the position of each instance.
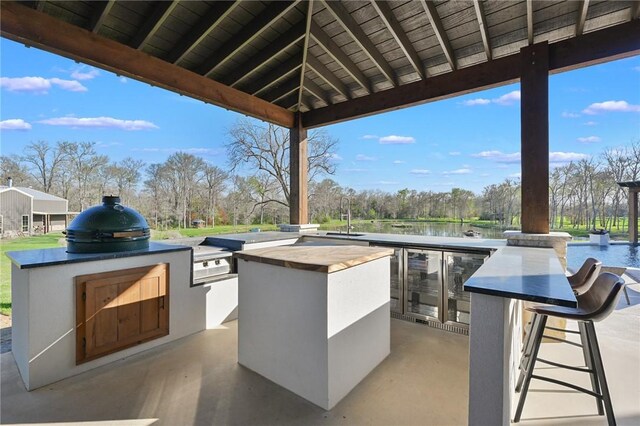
(108, 228)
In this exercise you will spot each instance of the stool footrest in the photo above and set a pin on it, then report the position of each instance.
(564, 330)
(562, 340)
(569, 385)
(568, 367)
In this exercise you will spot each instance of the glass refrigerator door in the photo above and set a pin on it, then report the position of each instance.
(396, 280)
(459, 267)
(423, 283)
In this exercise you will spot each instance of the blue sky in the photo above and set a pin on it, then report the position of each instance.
(470, 141)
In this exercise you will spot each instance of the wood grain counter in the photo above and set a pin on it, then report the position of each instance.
(325, 259)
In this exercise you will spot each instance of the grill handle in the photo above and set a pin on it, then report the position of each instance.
(120, 234)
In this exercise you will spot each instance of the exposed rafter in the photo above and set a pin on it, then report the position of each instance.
(324, 73)
(40, 5)
(153, 22)
(305, 49)
(353, 29)
(218, 12)
(596, 47)
(262, 58)
(315, 90)
(529, 4)
(339, 56)
(289, 102)
(583, 5)
(247, 34)
(279, 91)
(32, 28)
(400, 36)
(276, 74)
(482, 23)
(438, 29)
(102, 11)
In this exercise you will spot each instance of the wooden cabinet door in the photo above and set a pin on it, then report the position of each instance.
(120, 309)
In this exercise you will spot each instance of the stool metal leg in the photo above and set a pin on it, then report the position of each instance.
(626, 295)
(526, 353)
(599, 367)
(537, 337)
(588, 360)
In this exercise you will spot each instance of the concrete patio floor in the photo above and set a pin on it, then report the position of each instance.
(424, 381)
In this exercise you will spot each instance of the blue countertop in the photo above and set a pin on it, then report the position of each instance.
(28, 259)
(525, 273)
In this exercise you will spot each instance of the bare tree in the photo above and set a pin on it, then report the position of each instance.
(11, 167)
(83, 161)
(44, 161)
(215, 180)
(266, 147)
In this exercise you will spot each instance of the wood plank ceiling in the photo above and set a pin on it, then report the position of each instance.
(311, 55)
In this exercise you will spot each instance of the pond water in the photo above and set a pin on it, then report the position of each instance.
(619, 254)
(427, 228)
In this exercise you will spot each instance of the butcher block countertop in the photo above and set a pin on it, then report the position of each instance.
(325, 259)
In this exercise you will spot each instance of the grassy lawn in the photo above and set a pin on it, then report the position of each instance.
(29, 243)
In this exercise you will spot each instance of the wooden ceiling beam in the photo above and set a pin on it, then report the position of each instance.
(160, 14)
(596, 47)
(289, 102)
(400, 36)
(338, 55)
(482, 23)
(32, 28)
(583, 5)
(529, 4)
(275, 75)
(357, 34)
(279, 91)
(634, 10)
(264, 57)
(324, 73)
(216, 14)
(100, 14)
(316, 91)
(438, 29)
(305, 49)
(245, 36)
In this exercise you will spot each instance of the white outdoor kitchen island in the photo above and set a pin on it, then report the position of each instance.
(314, 319)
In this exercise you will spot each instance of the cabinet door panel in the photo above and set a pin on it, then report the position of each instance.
(459, 267)
(423, 283)
(119, 309)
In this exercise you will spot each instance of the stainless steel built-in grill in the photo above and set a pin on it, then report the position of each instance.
(211, 264)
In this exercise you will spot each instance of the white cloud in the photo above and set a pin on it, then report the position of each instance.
(79, 74)
(369, 137)
(566, 157)
(515, 175)
(123, 79)
(396, 140)
(362, 157)
(14, 124)
(499, 156)
(589, 139)
(474, 102)
(334, 157)
(617, 106)
(39, 85)
(464, 171)
(485, 174)
(399, 162)
(100, 122)
(455, 153)
(590, 123)
(420, 172)
(508, 99)
(566, 114)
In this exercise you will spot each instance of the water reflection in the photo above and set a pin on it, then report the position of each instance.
(610, 255)
(426, 228)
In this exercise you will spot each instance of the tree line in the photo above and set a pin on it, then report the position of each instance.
(253, 187)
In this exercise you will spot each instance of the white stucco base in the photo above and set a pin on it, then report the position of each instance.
(495, 342)
(222, 302)
(43, 329)
(316, 334)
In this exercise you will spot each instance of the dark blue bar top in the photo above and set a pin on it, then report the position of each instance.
(27, 259)
(532, 274)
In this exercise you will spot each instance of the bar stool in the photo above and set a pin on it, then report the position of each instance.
(594, 305)
(580, 282)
